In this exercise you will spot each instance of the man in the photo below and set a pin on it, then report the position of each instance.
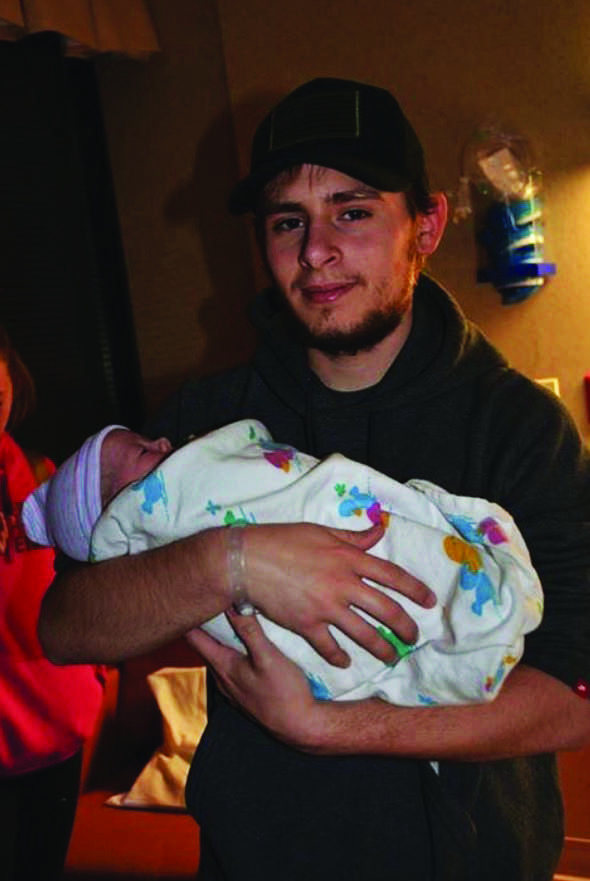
(362, 354)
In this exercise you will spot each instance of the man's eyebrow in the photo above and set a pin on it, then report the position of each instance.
(360, 192)
(274, 206)
(340, 197)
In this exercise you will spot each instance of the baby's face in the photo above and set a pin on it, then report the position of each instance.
(126, 457)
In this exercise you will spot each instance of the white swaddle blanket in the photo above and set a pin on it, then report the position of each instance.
(467, 550)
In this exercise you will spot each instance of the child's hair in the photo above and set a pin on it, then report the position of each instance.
(23, 387)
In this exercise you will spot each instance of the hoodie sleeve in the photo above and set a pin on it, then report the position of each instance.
(541, 474)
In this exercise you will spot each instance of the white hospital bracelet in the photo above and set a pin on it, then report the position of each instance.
(236, 565)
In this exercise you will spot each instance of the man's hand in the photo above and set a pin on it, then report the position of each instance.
(302, 576)
(263, 683)
(305, 577)
(534, 713)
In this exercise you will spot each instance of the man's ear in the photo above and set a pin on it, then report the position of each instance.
(431, 226)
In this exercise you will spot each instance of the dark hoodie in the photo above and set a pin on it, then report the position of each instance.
(452, 411)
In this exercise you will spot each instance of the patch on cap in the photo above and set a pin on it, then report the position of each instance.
(317, 117)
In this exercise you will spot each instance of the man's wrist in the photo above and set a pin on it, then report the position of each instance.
(236, 568)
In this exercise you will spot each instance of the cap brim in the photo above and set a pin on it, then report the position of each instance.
(246, 193)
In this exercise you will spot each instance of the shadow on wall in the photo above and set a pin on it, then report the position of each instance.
(228, 250)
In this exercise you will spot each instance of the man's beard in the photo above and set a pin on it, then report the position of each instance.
(371, 330)
(368, 333)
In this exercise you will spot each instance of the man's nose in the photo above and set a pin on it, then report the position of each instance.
(318, 247)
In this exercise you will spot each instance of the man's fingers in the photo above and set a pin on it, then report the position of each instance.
(390, 575)
(248, 629)
(385, 611)
(384, 572)
(383, 641)
(326, 646)
(220, 659)
(210, 650)
(260, 648)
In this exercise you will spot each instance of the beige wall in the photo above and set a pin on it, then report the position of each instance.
(451, 64)
(173, 154)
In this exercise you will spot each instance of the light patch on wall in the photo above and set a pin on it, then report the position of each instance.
(550, 382)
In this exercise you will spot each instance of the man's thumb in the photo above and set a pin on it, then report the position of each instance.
(364, 539)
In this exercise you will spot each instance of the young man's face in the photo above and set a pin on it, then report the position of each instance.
(344, 256)
(126, 457)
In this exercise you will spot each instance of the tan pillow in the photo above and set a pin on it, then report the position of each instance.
(181, 696)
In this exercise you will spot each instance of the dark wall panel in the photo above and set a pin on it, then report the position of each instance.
(63, 286)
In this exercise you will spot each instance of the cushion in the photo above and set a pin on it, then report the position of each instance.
(181, 696)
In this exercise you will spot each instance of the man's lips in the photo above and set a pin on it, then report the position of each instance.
(326, 293)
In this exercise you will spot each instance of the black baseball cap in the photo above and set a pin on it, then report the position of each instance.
(352, 127)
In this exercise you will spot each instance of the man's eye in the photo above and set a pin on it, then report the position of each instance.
(286, 224)
(356, 214)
